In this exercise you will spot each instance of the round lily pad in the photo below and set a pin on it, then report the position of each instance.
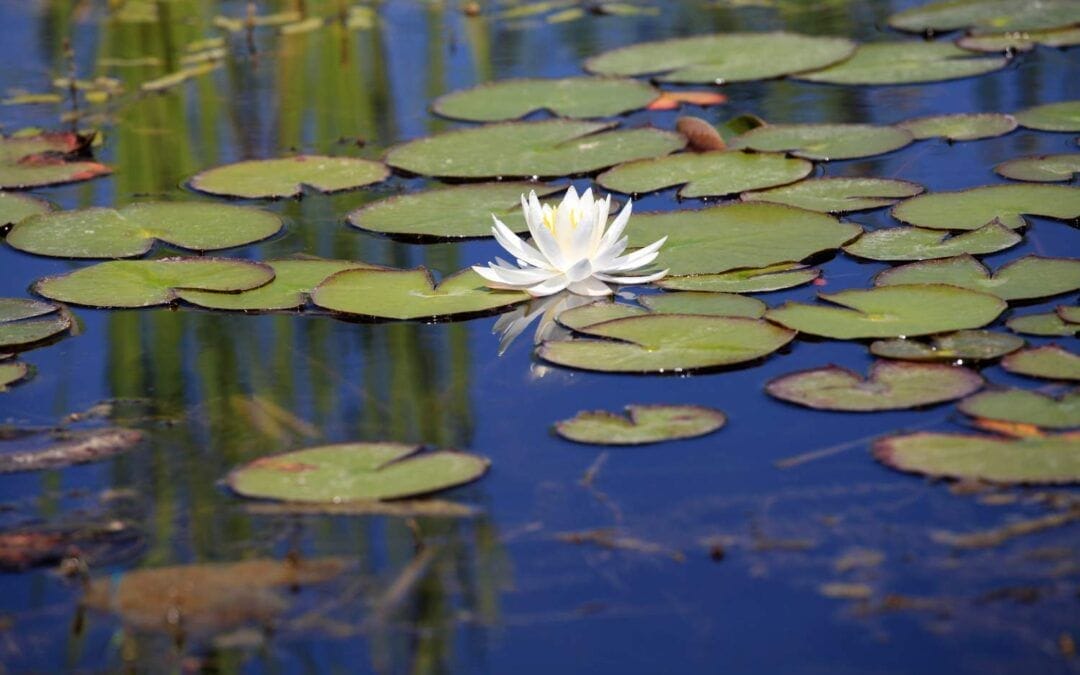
(293, 282)
(13, 373)
(837, 195)
(667, 343)
(1069, 314)
(962, 127)
(41, 159)
(707, 174)
(891, 385)
(1028, 277)
(1041, 169)
(576, 97)
(824, 141)
(906, 62)
(14, 207)
(641, 424)
(756, 280)
(145, 283)
(1025, 407)
(1047, 323)
(132, 230)
(1063, 116)
(1020, 41)
(964, 345)
(974, 208)
(917, 243)
(530, 149)
(287, 176)
(26, 322)
(723, 57)
(1050, 362)
(450, 212)
(994, 16)
(577, 318)
(706, 304)
(411, 294)
(891, 311)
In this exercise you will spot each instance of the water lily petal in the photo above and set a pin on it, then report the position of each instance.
(516, 246)
(648, 278)
(582, 269)
(618, 225)
(591, 286)
(549, 287)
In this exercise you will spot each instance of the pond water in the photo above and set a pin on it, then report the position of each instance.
(697, 555)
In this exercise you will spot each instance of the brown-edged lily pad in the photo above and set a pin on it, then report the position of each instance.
(837, 195)
(824, 141)
(1051, 362)
(1025, 407)
(66, 448)
(918, 243)
(1041, 169)
(754, 280)
(575, 97)
(974, 208)
(1025, 278)
(962, 127)
(707, 174)
(641, 424)
(287, 176)
(25, 322)
(40, 159)
(964, 345)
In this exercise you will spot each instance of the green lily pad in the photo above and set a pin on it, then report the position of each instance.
(641, 424)
(530, 149)
(917, 243)
(287, 176)
(145, 283)
(707, 174)
(41, 159)
(756, 280)
(1020, 41)
(1047, 323)
(1050, 362)
(738, 235)
(1028, 277)
(1025, 407)
(455, 212)
(723, 57)
(963, 127)
(994, 16)
(1035, 460)
(974, 208)
(837, 195)
(410, 294)
(667, 343)
(26, 322)
(705, 304)
(906, 62)
(1069, 314)
(132, 230)
(1063, 116)
(581, 317)
(294, 281)
(824, 141)
(1041, 169)
(576, 97)
(964, 345)
(891, 311)
(14, 207)
(892, 385)
(349, 472)
(12, 373)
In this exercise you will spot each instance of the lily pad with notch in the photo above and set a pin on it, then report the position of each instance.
(1051, 362)
(824, 142)
(753, 280)
(1022, 279)
(907, 62)
(964, 345)
(960, 127)
(706, 174)
(288, 176)
(14, 207)
(704, 304)
(1041, 169)
(24, 323)
(973, 208)
(573, 97)
(1046, 324)
(1025, 407)
(293, 283)
(986, 16)
(641, 425)
(41, 159)
(917, 243)
(837, 195)
(1063, 116)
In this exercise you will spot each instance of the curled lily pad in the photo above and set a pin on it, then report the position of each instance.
(576, 97)
(974, 208)
(68, 448)
(723, 57)
(1041, 169)
(708, 174)
(14, 207)
(824, 141)
(917, 243)
(705, 304)
(1025, 407)
(962, 127)
(906, 62)
(287, 176)
(1050, 362)
(293, 282)
(12, 373)
(837, 195)
(1069, 314)
(756, 280)
(891, 311)
(410, 294)
(642, 424)
(964, 345)
(891, 385)
(26, 322)
(1020, 41)
(132, 230)
(42, 159)
(1029, 277)
(663, 343)
(993, 16)
(547, 148)
(1047, 323)
(349, 472)
(1063, 116)
(145, 283)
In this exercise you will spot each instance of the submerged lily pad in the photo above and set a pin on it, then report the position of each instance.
(12, 373)
(1063, 116)
(723, 57)
(906, 62)
(42, 159)
(1025, 407)
(994, 16)
(1050, 362)
(145, 283)
(69, 447)
(410, 294)
(661, 343)
(964, 345)
(962, 127)
(891, 385)
(132, 230)
(1028, 277)
(837, 195)
(642, 424)
(755, 280)
(26, 322)
(287, 176)
(1033, 460)
(707, 174)
(547, 148)
(891, 311)
(917, 243)
(1020, 41)
(1041, 169)
(1047, 323)
(974, 208)
(705, 304)
(576, 97)
(824, 141)
(14, 207)
(355, 472)
(294, 281)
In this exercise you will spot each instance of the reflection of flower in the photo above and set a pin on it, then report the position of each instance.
(574, 249)
(510, 326)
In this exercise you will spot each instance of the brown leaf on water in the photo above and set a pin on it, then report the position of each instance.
(26, 547)
(700, 135)
(1010, 429)
(71, 447)
(999, 535)
(844, 591)
(671, 100)
(612, 539)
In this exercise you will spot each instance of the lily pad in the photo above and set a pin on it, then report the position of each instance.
(287, 176)
(1020, 41)
(1063, 116)
(705, 304)
(1069, 314)
(667, 343)
(355, 472)
(707, 174)
(837, 195)
(1025, 407)
(70, 447)
(906, 62)
(994, 16)
(891, 385)
(891, 311)
(1028, 277)
(824, 141)
(145, 283)
(14, 207)
(11, 373)
(1047, 323)
(1041, 169)
(37, 160)
(917, 243)
(1050, 362)
(964, 345)
(974, 208)
(27, 322)
(642, 424)
(294, 281)
(530, 149)
(451, 212)
(132, 230)
(575, 97)
(962, 127)
(411, 294)
(723, 57)
(756, 280)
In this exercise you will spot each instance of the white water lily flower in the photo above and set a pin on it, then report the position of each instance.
(573, 249)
